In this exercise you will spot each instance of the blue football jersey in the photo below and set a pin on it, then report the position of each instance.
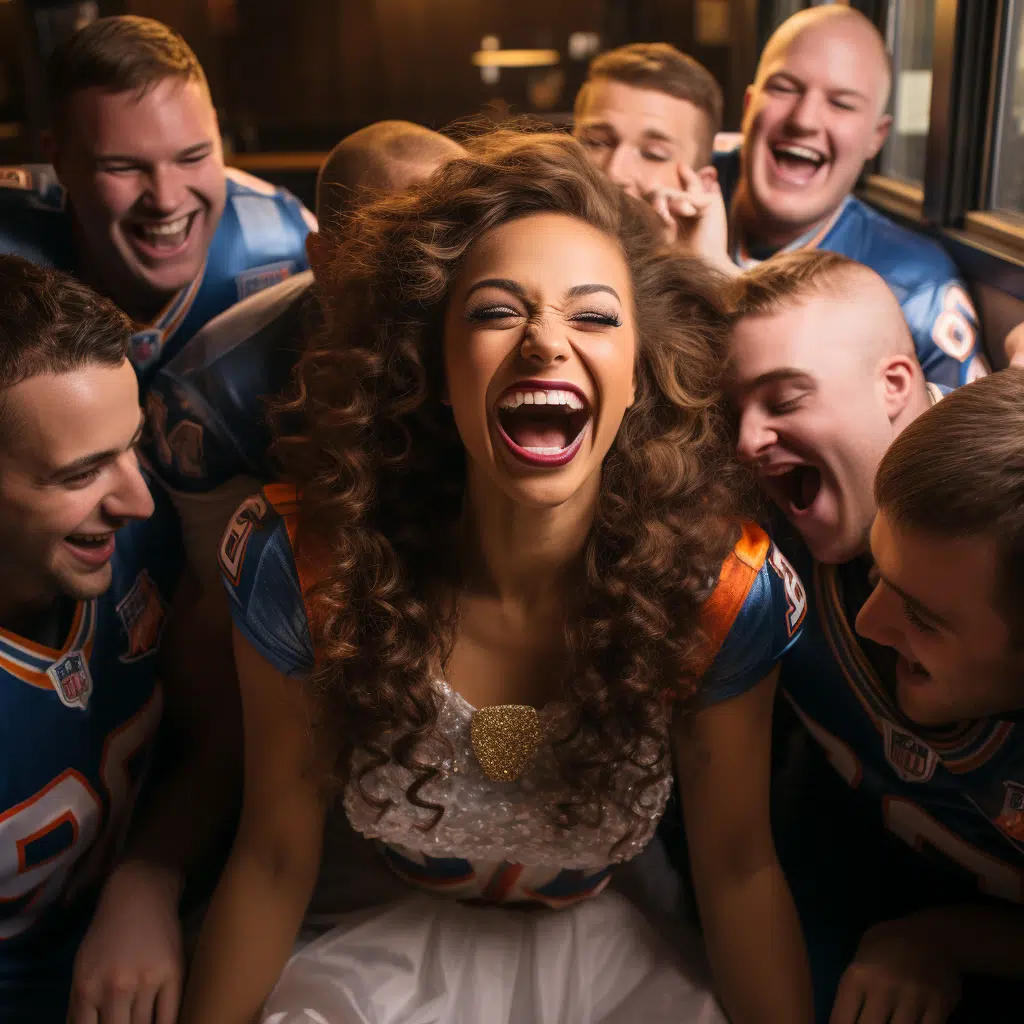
(259, 241)
(956, 793)
(206, 411)
(925, 281)
(76, 730)
(752, 616)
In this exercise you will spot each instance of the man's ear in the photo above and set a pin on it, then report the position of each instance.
(899, 374)
(881, 134)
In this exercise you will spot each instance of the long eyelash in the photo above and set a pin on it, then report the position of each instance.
(607, 319)
(486, 313)
(916, 621)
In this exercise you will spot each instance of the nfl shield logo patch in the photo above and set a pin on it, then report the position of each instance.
(250, 282)
(909, 758)
(145, 347)
(1011, 818)
(71, 679)
(142, 615)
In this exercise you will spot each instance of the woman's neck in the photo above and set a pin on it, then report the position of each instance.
(515, 553)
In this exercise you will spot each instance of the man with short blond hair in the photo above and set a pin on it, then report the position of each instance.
(647, 116)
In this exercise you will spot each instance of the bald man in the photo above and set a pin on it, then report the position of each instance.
(812, 118)
(207, 431)
(824, 379)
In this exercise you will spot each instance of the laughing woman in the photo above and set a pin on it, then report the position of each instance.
(515, 582)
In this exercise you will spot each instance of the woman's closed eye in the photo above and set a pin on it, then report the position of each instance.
(596, 318)
(485, 314)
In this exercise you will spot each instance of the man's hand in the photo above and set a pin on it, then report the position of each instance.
(900, 975)
(130, 965)
(695, 219)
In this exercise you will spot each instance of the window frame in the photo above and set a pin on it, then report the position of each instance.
(969, 74)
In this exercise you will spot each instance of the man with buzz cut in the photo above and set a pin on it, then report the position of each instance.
(137, 202)
(812, 118)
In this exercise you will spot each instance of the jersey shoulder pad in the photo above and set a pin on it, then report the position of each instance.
(32, 186)
(751, 618)
(265, 590)
(260, 240)
(34, 223)
(906, 259)
(206, 409)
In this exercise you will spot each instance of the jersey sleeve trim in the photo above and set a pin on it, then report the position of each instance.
(739, 571)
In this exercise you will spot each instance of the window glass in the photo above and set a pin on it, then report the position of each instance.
(910, 37)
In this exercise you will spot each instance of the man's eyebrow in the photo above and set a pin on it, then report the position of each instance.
(126, 158)
(194, 150)
(919, 606)
(657, 135)
(782, 374)
(846, 90)
(86, 462)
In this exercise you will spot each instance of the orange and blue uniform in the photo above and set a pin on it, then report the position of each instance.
(76, 732)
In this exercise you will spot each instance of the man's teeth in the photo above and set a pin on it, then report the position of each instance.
(90, 539)
(514, 399)
(171, 231)
(801, 153)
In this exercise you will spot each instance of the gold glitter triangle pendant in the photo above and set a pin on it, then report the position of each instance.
(505, 738)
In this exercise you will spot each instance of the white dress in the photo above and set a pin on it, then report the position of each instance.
(553, 942)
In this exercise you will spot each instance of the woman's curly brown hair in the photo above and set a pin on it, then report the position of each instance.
(380, 469)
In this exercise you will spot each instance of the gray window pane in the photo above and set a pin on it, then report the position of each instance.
(1008, 166)
(910, 36)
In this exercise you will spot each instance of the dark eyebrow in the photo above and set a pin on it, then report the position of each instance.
(922, 609)
(784, 373)
(86, 462)
(508, 285)
(589, 289)
(504, 283)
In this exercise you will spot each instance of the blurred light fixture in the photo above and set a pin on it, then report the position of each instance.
(583, 45)
(515, 58)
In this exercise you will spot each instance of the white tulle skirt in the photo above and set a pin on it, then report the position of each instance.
(428, 960)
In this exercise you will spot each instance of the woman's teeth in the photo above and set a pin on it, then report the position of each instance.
(514, 399)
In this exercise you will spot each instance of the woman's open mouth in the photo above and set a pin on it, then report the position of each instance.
(543, 423)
